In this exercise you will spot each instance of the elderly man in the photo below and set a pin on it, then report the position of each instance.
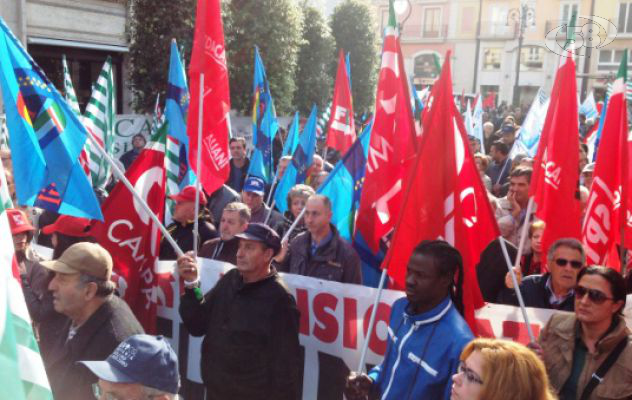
(249, 321)
(554, 289)
(588, 354)
(99, 320)
(252, 195)
(224, 248)
(239, 163)
(182, 228)
(141, 367)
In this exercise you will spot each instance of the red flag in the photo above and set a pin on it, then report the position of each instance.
(341, 133)
(444, 196)
(605, 213)
(131, 237)
(555, 180)
(393, 141)
(490, 100)
(209, 58)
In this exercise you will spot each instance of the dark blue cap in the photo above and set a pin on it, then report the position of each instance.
(261, 233)
(145, 359)
(508, 129)
(254, 185)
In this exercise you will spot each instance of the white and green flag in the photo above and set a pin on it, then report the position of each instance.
(99, 120)
(22, 374)
(69, 89)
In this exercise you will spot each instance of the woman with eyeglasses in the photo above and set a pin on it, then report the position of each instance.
(588, 354)
(493, 369)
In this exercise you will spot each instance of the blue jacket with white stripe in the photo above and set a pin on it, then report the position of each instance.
(422, 353)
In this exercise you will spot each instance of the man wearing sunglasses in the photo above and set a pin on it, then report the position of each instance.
(588, 354)
(554, 289)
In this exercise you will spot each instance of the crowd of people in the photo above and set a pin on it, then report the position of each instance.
(93, 346)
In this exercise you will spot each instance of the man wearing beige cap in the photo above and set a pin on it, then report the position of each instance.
(98, 320)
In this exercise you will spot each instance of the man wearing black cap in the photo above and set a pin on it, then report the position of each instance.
(250, 323)
(141, 367)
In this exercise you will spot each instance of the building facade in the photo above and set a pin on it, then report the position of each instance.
(492, 30)
(85, 31)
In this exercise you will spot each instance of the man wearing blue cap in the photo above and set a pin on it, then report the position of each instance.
(249, 321)
(141, 367)
(252, 195)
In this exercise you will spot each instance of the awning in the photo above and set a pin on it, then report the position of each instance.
(80, 45)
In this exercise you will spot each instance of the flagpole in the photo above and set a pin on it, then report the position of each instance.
(293, 226)
(121, 176)
(523, 234)
(196, 222)
(365, 345)
(274, 182)
(265, 221)
(516, 288)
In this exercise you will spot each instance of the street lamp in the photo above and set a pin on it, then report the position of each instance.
(522, 17)
(401, 6)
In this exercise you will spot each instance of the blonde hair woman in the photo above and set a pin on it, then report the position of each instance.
(493, 369)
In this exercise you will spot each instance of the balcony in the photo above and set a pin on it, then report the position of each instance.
(417, 33)
(498, 30)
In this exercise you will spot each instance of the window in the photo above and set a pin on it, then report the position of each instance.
(491, 59)
(625, 18)
(567, 12)
(609, 60)
(432, 22)
(499, 20)
(531, 58)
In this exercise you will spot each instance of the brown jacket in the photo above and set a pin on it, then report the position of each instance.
(558, 343)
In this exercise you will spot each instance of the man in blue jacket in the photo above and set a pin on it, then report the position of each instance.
(426, 333)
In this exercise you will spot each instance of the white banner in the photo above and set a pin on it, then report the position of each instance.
(334, 320)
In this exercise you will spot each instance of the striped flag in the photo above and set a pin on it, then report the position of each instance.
(5, 196)
(69, 89)
(4, 134)
(158, 118)
(99, 120)
(172, 169)
(23, 375)
(71, 99)
(321, 125)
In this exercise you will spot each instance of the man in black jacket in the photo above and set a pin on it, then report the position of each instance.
(234, 220)
(184, 222)
(99, 321)
(554, 289)
(250, 322)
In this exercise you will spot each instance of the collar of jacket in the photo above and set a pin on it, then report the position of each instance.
(242, 286)
(429, 316)
(323, 252)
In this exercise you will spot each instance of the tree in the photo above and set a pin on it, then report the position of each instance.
(274, 26)
(313, 79)
(153, 25)
(353, 29)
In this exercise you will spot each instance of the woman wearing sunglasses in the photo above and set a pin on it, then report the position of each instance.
(588, 354)
(493, 369)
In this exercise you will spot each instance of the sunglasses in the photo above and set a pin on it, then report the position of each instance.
(596, 296)
(562, 262)
(469, 374)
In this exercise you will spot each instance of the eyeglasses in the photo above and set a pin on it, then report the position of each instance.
(469, 374)
(596, 296)
(99, 394)
(562, 262)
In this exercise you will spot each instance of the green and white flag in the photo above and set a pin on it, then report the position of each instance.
(22, 373)
(172, 168)
(99, 120)
(4, 134)
(69, 89)
(5, 196)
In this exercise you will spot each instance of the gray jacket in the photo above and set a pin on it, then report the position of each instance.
(335, 261)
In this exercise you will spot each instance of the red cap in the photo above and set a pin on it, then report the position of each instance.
(68, 225)
(18, 221)
(188, 194)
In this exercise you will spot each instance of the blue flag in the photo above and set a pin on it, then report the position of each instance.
(176, 107)
(296, 171)
(343, 185)
(291, 142)
(602, 120)
(46, 136)
(264, 124)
